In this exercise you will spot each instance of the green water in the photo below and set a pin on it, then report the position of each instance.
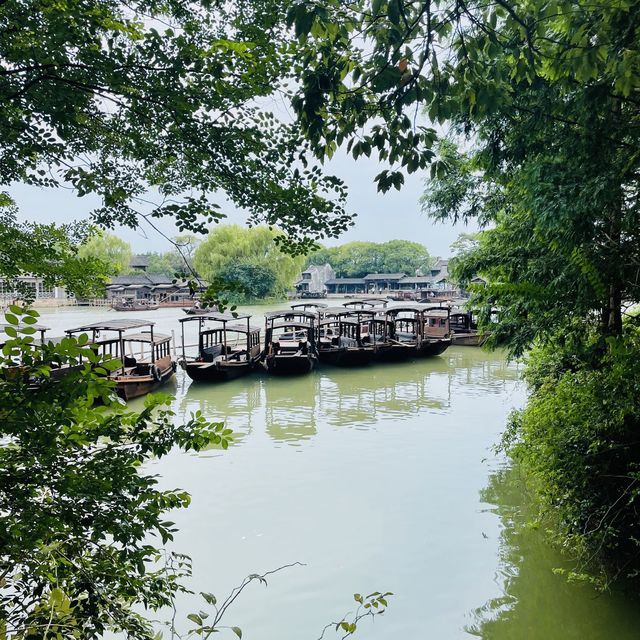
(380, 478)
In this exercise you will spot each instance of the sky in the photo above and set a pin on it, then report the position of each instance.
(380, 217)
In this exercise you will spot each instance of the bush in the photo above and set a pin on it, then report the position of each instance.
(579, 440)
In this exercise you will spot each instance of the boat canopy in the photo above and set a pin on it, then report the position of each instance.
(291, 313)
(112, 325)
(18, 327)
(146, 336)
(237, 328)
(291, 325)
(343, 312)
(368, 302)
(304, 305)
(216, 317)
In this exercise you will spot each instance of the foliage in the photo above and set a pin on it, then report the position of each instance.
(357, 259)
(369, 606)
(46, 251)
(236, 252)
(253, 281)
(577, 439)
(77, 510)
(154, 107)
(113, 252)
(368, 64)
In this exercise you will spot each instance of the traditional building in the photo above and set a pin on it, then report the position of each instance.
(379, 282)
(36, 285)
(346, 285)
(313, 280)
(150, 286)
(139, 263)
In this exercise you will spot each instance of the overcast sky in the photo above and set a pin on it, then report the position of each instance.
(395, 215)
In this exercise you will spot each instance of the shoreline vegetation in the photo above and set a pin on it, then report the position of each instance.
(159, 110)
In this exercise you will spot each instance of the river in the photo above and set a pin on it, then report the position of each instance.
(375, 479)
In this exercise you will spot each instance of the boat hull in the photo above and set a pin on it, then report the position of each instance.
(129, 387)
(430, 348)
(348, 357)
(282, 365)
(216, 372)
(468, 339)
(135, 307)
(393, 352)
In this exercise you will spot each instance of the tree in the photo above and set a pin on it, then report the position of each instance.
(46, 251)
(113, 252)
(357, 259)
(78, 512)
(228, 246)
(145, 102)
(404, 256)
(252, 281)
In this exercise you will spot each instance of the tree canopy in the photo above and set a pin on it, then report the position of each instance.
(232, 256)
(113, 252)
(154, 107)
(357, 259)
(47, 251)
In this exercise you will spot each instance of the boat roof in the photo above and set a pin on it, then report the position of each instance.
(290, 313)
(407, 308)
(113, 325)
(145, 336)
(302, 305)
(344, 311)
(371, 302)
(291, 325)
(23, 325)
(238, 328)
(216, 317)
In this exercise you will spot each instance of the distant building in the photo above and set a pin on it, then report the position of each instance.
(378, 282)
(314, 278)
(149, 286)
(139, 263)
(440, 274)
(39, 290)
(346, 285)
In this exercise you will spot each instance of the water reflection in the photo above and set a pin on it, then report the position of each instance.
(534, 603)
(291, 409)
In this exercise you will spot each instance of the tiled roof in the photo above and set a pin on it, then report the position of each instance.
(384, 276)
(139, 261)
(346, 281)
(417, 280)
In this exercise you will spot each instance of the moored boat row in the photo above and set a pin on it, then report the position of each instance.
(296, 341)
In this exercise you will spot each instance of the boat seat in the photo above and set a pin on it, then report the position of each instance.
(130, 361)
(211, 353)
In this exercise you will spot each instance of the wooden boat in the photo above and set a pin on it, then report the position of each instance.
(426, 330)
(198, 311)
(146, 358)
(227, 350)
(343, 337)
(464, 330)
(309, 306)
(290, 345)
(388, 346)
(366, 303)
(134, 305)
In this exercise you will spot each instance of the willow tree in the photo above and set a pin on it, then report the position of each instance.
(234, 256)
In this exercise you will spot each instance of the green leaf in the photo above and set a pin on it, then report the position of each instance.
(194, 617)
(237, 631)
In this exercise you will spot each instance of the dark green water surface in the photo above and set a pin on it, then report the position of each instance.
(379, 478)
